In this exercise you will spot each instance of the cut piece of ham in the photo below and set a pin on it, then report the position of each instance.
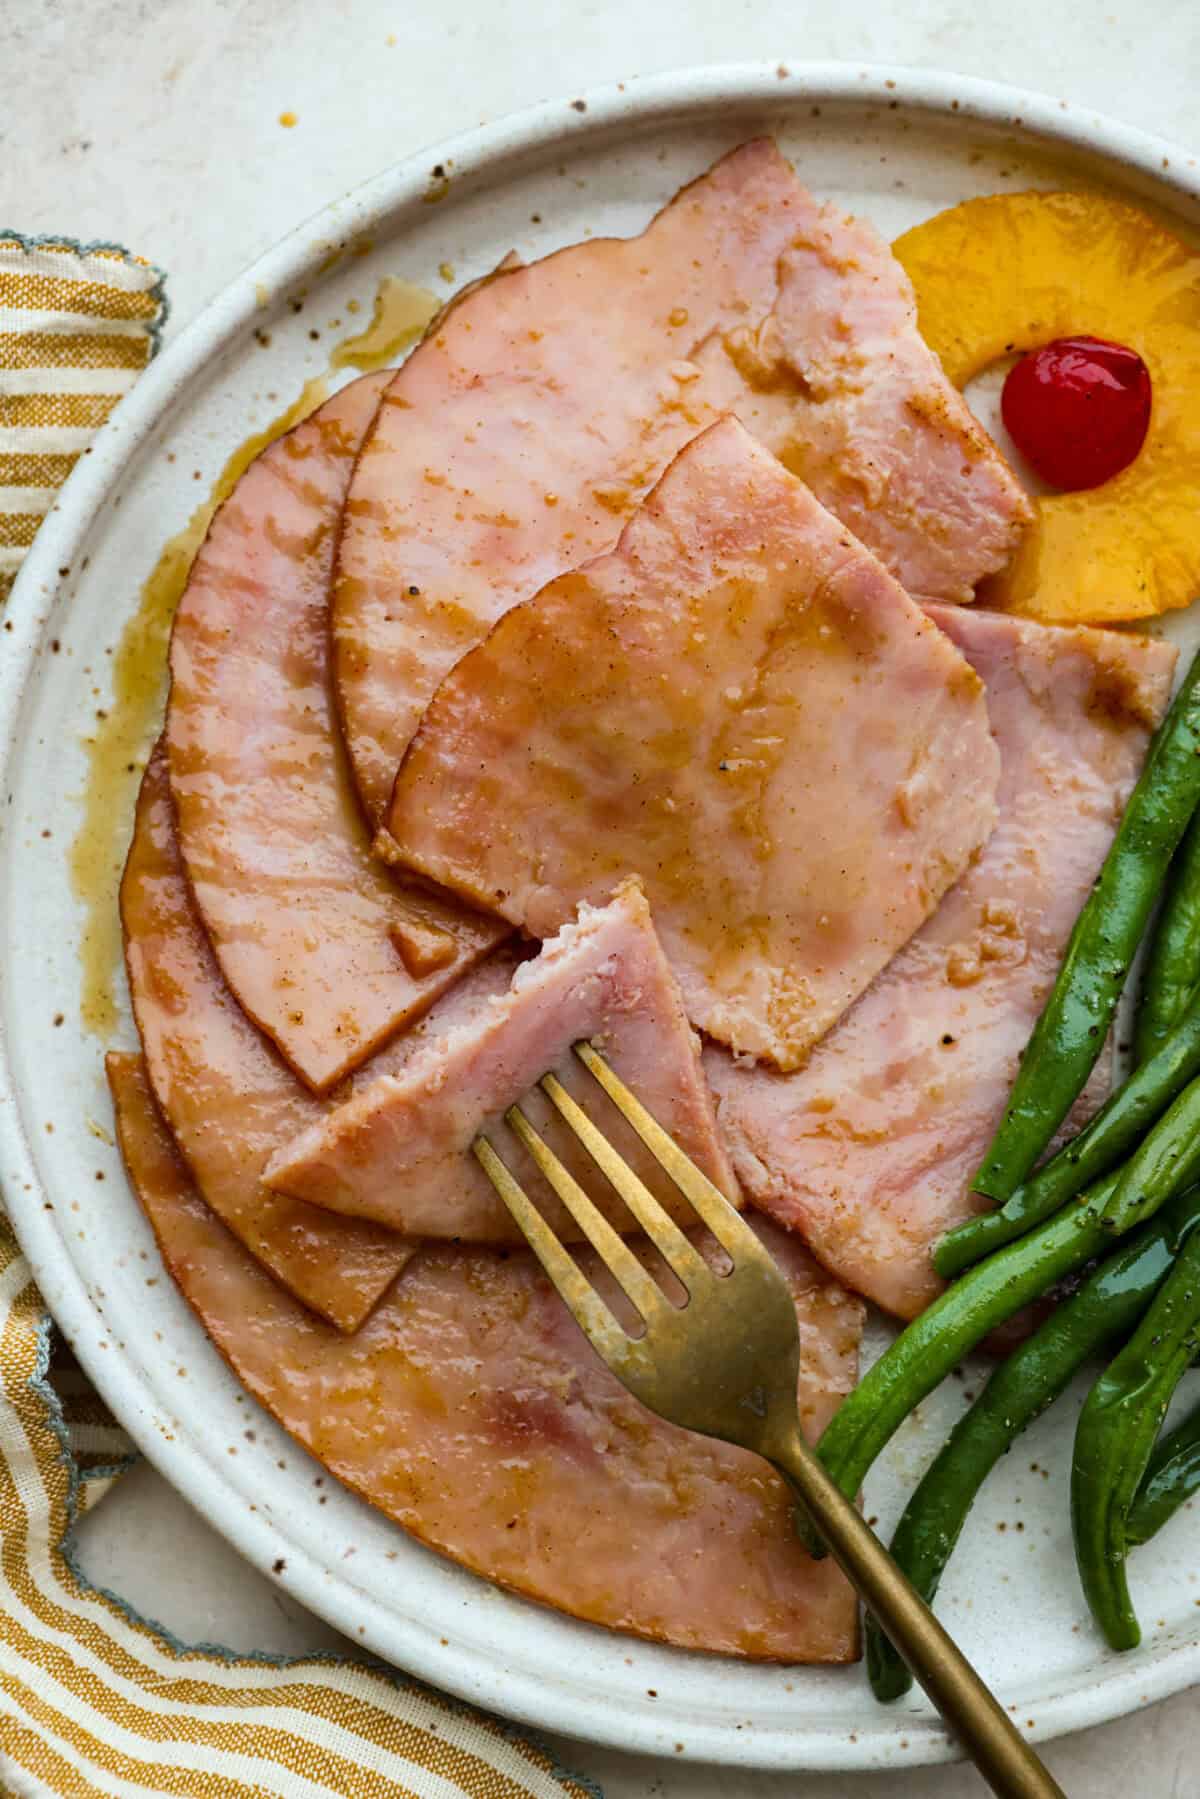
(324, 950)
(869, 1150)
(740, 705)
(519, 437)
(470, 1409)
(839, 383)
(400, 1151)
(229, 1097)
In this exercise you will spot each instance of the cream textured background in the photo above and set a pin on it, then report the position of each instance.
(155, 122)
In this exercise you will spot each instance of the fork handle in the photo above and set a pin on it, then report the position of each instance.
(971, 1710)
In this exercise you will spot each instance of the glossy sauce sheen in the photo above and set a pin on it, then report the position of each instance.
(869, 1149)
(470, 1409)
(704, 707)
(229, 1097)
(326, 952)
(525, 429)
(400, 1151)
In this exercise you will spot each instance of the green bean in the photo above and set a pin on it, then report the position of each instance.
(928, 1348)
(1103, 1310)
(1074, 1022)
(1111, 1134)
(1164, 1163)
(1114, 1437)
(1172, 1475)
(1173, 960)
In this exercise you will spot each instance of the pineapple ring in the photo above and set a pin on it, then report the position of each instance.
(1015, 271)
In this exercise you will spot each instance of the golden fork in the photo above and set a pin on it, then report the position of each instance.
(726, 1364)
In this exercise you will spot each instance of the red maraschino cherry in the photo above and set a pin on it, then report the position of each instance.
(1078, 410)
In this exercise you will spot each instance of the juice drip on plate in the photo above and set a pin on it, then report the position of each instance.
(117, 750)
(402, 312)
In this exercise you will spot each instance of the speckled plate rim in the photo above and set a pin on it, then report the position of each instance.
(880, 1738)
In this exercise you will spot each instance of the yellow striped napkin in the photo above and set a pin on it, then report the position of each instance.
(77, 325)
(93, 1700)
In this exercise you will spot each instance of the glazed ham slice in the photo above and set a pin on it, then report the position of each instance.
(327, 953)
(520, 436)
(229, 1097)
(470, 1409)
(868, 1150)
(740, 705)
(839, 383)
(400, 1151)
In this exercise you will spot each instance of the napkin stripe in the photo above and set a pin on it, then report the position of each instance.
(33, 1753)
(29, 1598)
(77, 325)
(83, 1702)
(24, 440)
(31, 468)
(77, 299)
(53, 383)
(25, 497)
(54, 348)
(59, 1677)
(17, 529)
(72, 410)
(177, 1761)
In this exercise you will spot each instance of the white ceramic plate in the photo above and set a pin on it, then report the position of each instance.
(895, 145)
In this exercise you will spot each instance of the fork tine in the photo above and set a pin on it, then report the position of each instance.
(682, 1257)
(574, 1289)
(637, 1284)
(722, 1218)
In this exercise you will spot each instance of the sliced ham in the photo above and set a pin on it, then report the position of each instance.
(470, 1409)
(229, 1097)
(740, 705)
(400, 1151)
(519, 437)
(868, 1150)
(838, 382)
(326, 952)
